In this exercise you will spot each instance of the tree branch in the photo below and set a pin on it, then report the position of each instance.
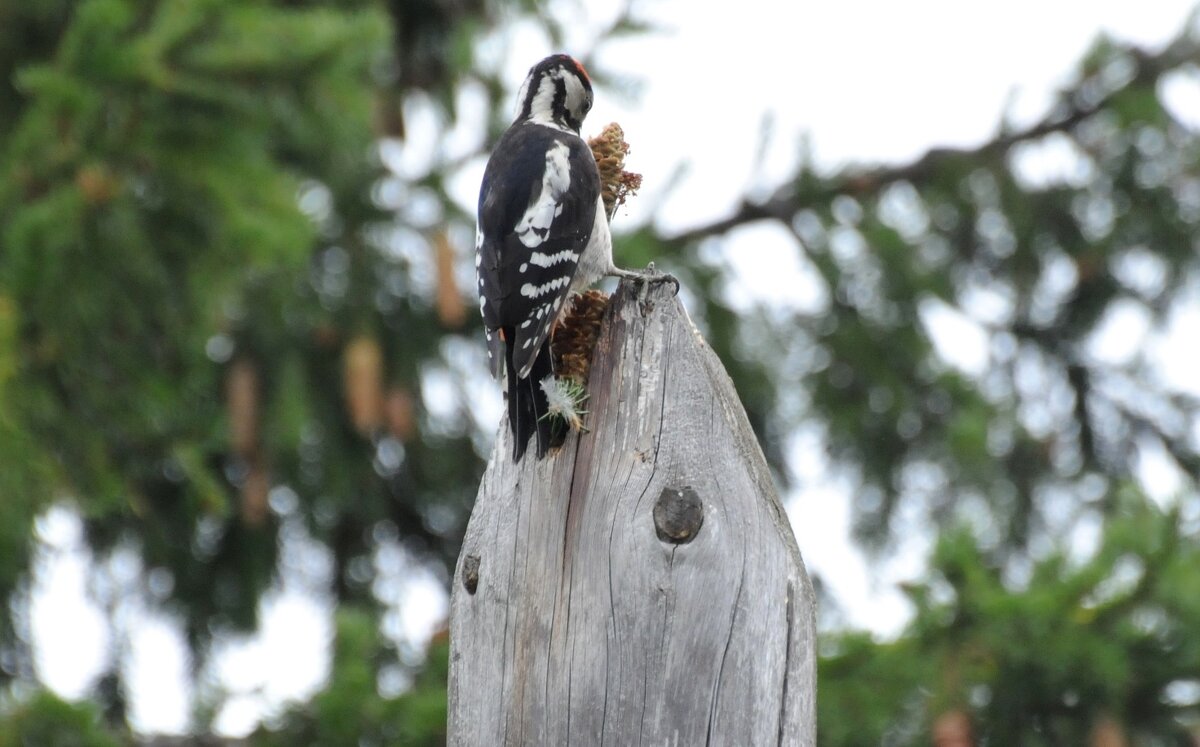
(791, 198)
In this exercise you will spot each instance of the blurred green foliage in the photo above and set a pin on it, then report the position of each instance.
(44, 719)
(224, 322)
(1039, 661)
(186, 223)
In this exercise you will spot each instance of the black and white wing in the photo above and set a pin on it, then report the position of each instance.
(537, 209)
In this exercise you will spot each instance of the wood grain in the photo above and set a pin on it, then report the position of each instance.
(573, 622)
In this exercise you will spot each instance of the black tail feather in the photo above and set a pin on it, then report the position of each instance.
(527, 402)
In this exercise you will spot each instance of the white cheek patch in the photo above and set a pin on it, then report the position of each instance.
(576, 95)
(541, 109)
(534, 225)
(545, 95)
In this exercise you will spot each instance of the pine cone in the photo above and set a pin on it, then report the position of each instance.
(576, 335)
(616, 184)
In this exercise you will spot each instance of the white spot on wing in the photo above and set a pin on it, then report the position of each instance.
(556, 180)
(529, 290)
(546, 260)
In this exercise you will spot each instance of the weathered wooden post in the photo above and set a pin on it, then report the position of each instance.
(642, 585)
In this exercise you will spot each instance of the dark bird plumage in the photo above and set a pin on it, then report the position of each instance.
(541, 234)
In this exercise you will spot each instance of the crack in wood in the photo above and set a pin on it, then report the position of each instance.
(588, 627)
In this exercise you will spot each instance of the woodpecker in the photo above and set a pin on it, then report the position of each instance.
(542, 233)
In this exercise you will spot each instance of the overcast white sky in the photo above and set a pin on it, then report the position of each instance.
(865, 80)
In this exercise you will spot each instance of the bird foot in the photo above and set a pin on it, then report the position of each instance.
(646, 278)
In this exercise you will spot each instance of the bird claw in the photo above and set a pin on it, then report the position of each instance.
(654, 277)
(646, 278)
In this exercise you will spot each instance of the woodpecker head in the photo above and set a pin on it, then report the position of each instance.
(557, 92)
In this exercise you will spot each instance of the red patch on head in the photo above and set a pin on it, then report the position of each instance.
(582, 70)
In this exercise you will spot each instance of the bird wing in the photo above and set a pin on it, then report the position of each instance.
(537, 207)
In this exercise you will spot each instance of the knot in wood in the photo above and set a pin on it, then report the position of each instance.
(470, 573)
(678, 515)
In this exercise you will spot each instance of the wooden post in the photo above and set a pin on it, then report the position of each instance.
(642, 584)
